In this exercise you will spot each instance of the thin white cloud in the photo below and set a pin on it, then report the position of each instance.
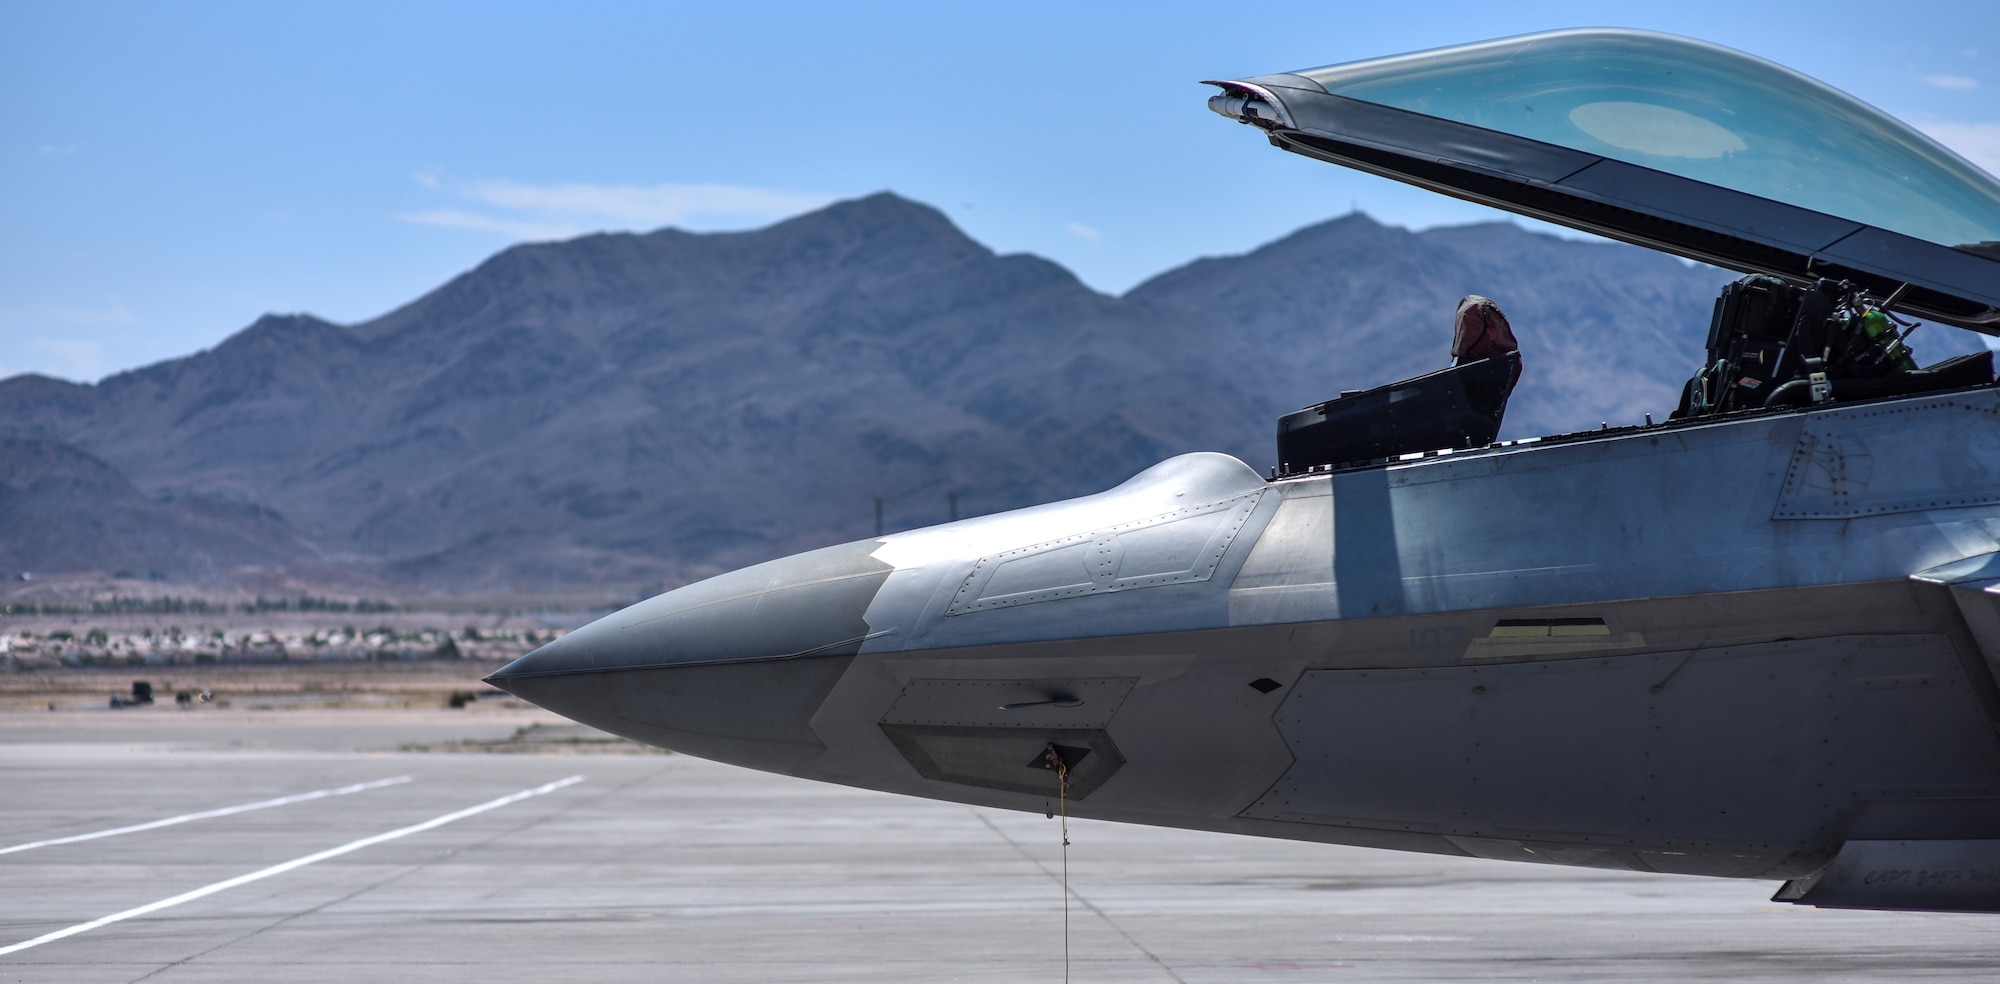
(77, 358)
(528, 211)
(1081, 231)
(1957, 82)
(654, 205)
(45, 316)
(511, 228)
(1976, 142)
(54, 338)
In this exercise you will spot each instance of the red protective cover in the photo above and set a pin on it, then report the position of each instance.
(1481, 331)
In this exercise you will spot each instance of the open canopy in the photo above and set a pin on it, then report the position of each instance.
(1666, 141)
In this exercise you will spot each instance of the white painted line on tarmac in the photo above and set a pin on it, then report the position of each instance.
(279, 869)
(206, 814)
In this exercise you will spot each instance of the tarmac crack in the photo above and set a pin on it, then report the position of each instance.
(1022, 849)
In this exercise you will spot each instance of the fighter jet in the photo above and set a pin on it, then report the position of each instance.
(1758, 638)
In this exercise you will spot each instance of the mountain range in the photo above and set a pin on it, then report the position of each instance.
(623, 409)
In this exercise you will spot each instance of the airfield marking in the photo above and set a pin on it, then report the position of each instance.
(281, 868)
(207, 814)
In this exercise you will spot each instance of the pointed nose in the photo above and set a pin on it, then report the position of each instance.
(731, 668)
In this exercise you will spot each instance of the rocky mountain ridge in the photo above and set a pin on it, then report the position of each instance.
(622, 409)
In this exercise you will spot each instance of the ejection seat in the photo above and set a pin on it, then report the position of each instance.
(1774, 343)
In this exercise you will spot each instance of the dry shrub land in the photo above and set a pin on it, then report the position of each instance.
(197, 640)
(258, 653)
(256, 687)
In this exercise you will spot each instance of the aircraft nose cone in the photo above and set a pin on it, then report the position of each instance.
(731, 668)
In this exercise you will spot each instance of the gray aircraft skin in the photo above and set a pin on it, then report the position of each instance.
(1752, 644)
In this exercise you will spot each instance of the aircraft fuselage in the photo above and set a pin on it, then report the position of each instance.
(1696, 647)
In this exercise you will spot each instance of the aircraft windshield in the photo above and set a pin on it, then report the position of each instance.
(1697, 110)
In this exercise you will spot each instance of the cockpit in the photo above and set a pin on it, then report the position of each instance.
(1849, 225)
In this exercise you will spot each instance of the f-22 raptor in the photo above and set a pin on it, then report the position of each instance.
(1756, 639)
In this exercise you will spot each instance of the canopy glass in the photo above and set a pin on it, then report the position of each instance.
(1698, 110)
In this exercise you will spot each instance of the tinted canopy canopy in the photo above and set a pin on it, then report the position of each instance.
(1666, 141)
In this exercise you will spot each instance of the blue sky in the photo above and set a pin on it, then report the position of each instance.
(168, 172)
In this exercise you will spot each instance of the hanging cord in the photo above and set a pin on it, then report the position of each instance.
(1055, 760)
